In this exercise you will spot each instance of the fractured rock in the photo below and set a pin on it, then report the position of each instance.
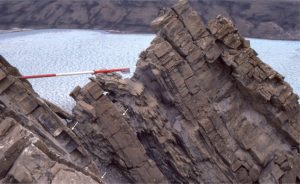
(34, 136)
(201, 107)
(227, 118)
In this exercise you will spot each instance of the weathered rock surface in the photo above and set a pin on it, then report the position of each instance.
(35, 144)
(273, 19)
(201, 107)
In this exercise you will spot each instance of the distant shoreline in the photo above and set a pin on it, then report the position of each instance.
(14, 30)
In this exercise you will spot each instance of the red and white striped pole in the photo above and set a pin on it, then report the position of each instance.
(123, 70)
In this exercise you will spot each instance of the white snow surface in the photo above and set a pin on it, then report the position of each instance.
(54, 51)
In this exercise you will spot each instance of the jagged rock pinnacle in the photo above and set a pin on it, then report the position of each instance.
(208, 109)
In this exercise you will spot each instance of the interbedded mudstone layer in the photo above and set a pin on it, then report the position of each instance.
(201, 105)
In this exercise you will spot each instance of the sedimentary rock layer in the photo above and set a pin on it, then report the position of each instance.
(274, 19)
(201, 107)
(36, 146)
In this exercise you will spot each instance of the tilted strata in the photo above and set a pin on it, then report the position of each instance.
(200, 108)
(35, 144)
(202, 104)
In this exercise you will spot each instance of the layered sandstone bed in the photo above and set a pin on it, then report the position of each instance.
(36, 146)
(200, 108)
(272, 19)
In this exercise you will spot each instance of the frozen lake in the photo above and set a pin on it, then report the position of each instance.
(53, 51)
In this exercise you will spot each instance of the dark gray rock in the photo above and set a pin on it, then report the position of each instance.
(272, 19)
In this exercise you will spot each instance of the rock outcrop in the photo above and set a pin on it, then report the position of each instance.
(35, 144)
(201, 107)
(272, 19)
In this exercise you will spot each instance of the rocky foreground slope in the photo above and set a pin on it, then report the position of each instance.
(273, 19)
(35, 143)
(200, 108)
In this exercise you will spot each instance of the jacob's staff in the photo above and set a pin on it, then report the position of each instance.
(93, 72)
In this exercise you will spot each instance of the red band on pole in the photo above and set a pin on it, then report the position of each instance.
(112, 70)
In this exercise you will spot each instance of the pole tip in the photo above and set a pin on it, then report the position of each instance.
(125, 70)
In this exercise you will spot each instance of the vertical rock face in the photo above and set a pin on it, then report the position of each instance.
(201, 107)
(35, 144)
(106, 133)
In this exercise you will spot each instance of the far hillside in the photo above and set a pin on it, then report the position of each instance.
(271, 19)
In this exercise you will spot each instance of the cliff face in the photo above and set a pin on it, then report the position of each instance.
(273, 19)
(200, 108)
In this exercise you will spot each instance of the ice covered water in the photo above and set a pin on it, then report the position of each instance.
(54, 51)
(282, 56)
